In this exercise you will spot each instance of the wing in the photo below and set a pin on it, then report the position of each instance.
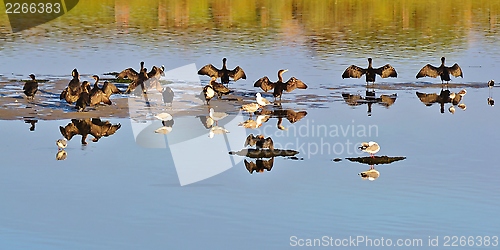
(353, 71)
(155, 71)
(250, 166)
(109, 89)
(129, 73)
(63, 94)
(294, 83)
(250, 141)
(428, 70)
(209, 70)
(428, 99)
(268, 164)
(294, 117)
(268, 143)
(386, 71)
(455, 70)
(264, 84)
(237, 73)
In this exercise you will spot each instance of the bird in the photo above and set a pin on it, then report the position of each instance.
(72, 92)
(260, 142)
(261, 100)
(293, 83)
(137, 78)
(84, 98)
(219, 88)
(209, 93)
(216, 116)
(164, 116)
(61, 144)
(217, 131)
(462, 106)
(354, 71)
(168, 95)
(370, 174)
(224, 74)
(441, 71)
(491, 83)
(253, 124)
(370, 147)
(491, 102)
(97, 95)
(250, 108)
(451, 109)
(462, 92)
(30, 87)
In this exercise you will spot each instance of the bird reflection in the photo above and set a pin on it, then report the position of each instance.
(32, 122)
(369, 99)
(280, 113)
(370, 174)
(259, 165)
(259, 142)
(84, 127)
(61, 155)
(444, 97)
(166, 127)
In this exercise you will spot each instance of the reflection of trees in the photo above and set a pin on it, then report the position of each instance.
(410, 25)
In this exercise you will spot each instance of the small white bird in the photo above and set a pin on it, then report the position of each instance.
(261, 100)
(216, 116)
(250, 108)
(452, 109)
(163, 130)
(462, 92)
(491, 102)
(163, 116)
(491, 83)
(462, 106)
(217, 131)
(370, 147)
(61, 144)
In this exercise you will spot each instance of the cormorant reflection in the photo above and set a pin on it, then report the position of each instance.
(369, 99)
(84, 127)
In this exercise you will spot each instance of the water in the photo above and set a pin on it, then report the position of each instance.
(132, 189)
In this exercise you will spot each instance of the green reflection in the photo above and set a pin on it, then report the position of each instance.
(414, 25)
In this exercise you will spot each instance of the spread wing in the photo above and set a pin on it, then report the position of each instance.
(109, 89)
(250, 141)
(428, 99)
(69, 131)
(428, 70)
(250, 166)
(455, 70)
(386, 71)
(209, 70)
(267, 164)
(294, 117)
(268, 143)
(237, 73)
(294, 83)
(353, 71)
(264, 84)
(129, 73)
(155, 72)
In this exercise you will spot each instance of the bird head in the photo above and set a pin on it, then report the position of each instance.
(32, 76)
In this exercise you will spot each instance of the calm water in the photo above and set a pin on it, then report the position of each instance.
(135, 189)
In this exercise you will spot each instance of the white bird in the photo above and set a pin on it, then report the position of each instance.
(164, 116)
(491, 83)
(216, 116)
(491, 102)
(163, 130)
(452, 109)
(61, 144)
(462, 92)
(250, 108)
(217, 131)
(370, 147)
(462, 106)
(261, 100)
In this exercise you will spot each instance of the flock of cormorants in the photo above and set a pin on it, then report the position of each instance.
(83, 95)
